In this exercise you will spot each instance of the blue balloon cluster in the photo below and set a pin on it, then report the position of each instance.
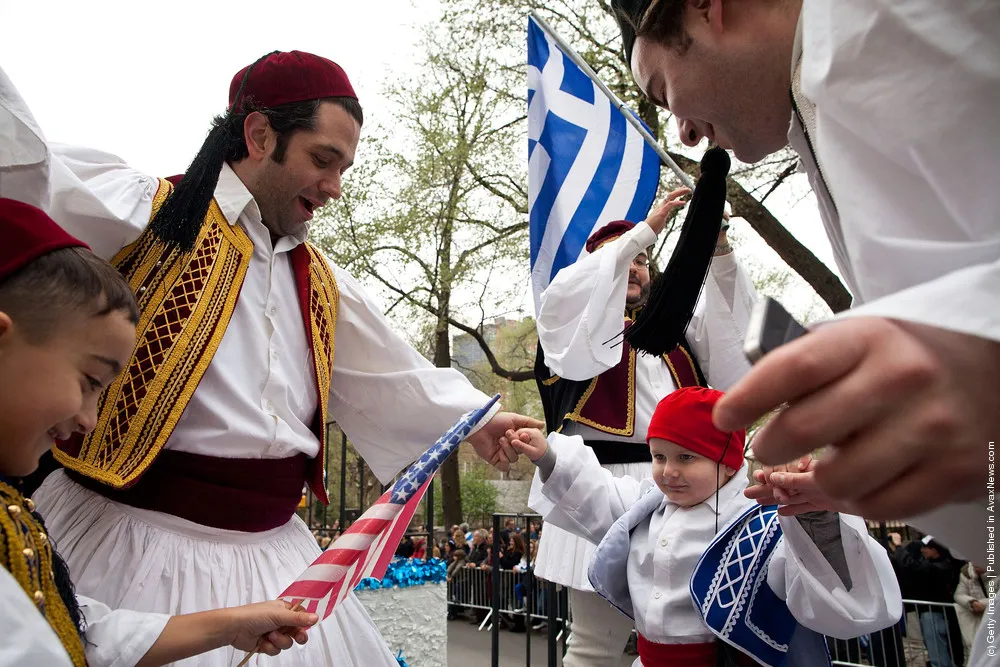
(406, 572)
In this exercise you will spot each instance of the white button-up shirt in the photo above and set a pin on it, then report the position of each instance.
(907, 136)
(582, 310)
(258, 395)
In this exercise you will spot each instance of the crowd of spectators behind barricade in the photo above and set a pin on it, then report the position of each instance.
(956, 591)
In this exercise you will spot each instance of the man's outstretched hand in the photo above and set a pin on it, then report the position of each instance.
(902, 409)
(490, 443)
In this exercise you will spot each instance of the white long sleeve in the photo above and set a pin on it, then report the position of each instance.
(28, 639)
(118, 638)
(582, 309)
(389, 399)
(579, 495)
(817, 598)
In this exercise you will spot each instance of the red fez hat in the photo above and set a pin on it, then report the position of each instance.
(684, 417)
(293, 76)
(608, 232)
(28, 233)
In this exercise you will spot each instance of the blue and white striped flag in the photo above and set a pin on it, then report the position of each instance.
(587, 165)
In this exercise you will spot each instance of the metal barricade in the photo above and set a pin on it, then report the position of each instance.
(504, 593)
(927, 634)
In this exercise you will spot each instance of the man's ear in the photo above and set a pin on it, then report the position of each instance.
(6, 326)
(258, 135)
(708, 11)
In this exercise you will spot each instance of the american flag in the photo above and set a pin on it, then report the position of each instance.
(366, 548)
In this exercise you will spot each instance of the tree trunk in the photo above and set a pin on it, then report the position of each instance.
(451, 489)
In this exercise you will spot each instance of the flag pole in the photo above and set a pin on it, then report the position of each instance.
(636, 123)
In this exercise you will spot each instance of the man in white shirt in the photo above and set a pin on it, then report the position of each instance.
(183, 496)
(596, 386)
(893, 111)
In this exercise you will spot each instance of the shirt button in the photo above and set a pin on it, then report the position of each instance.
(663, 541)
(39, 597)
(273, 310)
(270, 405)
(28, 553)
(656, 594)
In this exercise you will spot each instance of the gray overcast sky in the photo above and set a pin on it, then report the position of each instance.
(143, 80)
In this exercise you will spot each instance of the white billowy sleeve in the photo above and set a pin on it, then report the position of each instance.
(720, 321)
(118, 638)
(801, 575)
(28, 639)
(583, 308)
(93, 195)
(98, 198)
(579, 495)
(390, 401)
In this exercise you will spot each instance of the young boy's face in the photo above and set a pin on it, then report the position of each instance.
(49, 389)
(686, 478)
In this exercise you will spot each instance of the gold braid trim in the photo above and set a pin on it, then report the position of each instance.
(630, 420)
(186, 300)
(25, 552)
(324, 296)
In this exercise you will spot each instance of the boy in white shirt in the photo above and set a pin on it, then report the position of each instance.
(706, 573)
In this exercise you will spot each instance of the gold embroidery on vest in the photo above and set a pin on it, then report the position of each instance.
(186, 300)
(630, 419)
(673, 371)
(324, 296)
(25, 552)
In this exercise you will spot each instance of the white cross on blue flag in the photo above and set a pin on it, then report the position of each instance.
(587, 165)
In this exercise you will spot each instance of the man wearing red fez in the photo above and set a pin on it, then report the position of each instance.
(595, 385)
(183, 496)
(701, 568)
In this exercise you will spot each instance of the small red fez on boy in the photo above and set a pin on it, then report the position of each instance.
(28, 233)
(608, 232)
(684, 417)
(291, 76)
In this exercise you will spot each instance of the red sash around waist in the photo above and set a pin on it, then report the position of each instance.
(654, 654)
(249, 495)
(675, 655)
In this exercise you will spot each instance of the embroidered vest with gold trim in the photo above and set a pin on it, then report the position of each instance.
(186, 300)
(607, 402)
(25, 552)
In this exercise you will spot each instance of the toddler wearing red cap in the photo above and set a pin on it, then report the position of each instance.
(702, 569)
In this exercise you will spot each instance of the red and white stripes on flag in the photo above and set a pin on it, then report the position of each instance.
(364, 550)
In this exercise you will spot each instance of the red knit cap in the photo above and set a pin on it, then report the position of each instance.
(685, 418)
(292, 76)
(28, 233)
(608, 232)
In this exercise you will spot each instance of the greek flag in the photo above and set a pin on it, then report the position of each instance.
(587, 165)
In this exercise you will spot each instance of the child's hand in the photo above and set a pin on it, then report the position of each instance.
(269, 627)
(527, 441)
(793, 487)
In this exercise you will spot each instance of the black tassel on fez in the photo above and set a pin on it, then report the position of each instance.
(661, 324)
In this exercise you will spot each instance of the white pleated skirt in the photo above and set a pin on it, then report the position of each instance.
(565, 558)
(149, 561)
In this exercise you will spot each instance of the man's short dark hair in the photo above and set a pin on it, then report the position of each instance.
(662, 22)
(286, 120)
(42, 296)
